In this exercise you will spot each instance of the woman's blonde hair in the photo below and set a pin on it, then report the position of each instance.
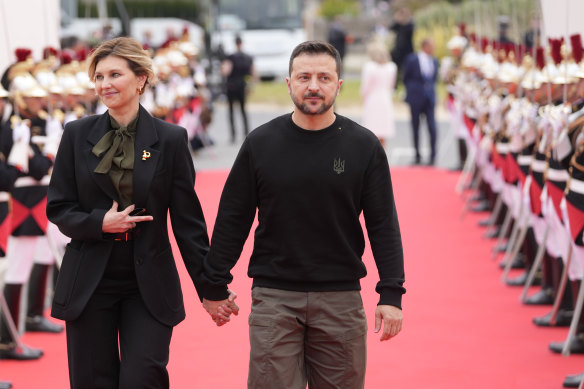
(126, 48)
(378, 51)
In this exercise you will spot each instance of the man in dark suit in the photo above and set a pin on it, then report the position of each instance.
(420, 74)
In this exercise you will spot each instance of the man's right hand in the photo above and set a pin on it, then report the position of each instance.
(220, 311)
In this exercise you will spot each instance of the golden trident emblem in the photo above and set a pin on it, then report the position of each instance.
(145, 155)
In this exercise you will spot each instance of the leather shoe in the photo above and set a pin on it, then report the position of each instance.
(522, 279)
(492, 233)
(501, 248)
(517, 281)
(544, 297)
(477, 197)
(576, 346)
(573, 380)
(563, 319)
(5, 385)
(518, 262)
(24, 353)
(481, 206)
(42, 324)
(485, 222)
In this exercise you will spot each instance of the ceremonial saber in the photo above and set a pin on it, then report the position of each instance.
(53, 246)
(474, 187)
(524, 220)
(496, 211)
(502, 232)
(517, 237)
(536, 264)
(575, 320)
(562, 287)
(513, 237)
(10, 323)
(467, 170)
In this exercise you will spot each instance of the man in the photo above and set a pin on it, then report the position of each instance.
(420, 74)
(310, 174)
(403, 27)
(22, 160)
(450, 68)
(238, 68)
(337, 35)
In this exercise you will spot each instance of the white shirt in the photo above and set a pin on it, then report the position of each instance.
(426, 64)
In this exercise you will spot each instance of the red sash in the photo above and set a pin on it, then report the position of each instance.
(535, 197)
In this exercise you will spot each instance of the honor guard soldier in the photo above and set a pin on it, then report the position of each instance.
(449, 69)
(10, 347)
(574, 207)
(27, 147)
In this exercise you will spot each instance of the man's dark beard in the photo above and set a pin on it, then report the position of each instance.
(305, 109)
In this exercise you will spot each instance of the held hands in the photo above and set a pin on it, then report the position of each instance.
(114, 221)
(392, 321)
(221, 311)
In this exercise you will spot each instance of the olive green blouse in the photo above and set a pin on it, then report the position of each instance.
(116, 149)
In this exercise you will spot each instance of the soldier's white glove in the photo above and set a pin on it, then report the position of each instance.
(21, 132)
(54, 131)
(20, 152)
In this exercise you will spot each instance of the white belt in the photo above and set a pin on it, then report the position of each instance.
(29, 181)
(4, 196)
(538, 166)
(577, 186)
(524, 160)
(557, 175)
(502, 148)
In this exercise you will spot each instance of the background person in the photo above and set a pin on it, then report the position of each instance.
(28, 261)
(309, 174)
(118, 288)
(403, 28)
(377, 85)
(239, 71)
(338, 36)
(420, 75)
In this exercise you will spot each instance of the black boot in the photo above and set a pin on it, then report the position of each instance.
(576, 345)
(521, 279)
(462, 153)
(544, 297)
(8, 345)
(37, 290)
(563, 319)
(573, 380)
(518, 262)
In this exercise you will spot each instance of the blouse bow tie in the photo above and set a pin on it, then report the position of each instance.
(118, 146)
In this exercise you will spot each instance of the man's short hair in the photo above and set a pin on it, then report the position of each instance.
(316, 47)
(237, 40)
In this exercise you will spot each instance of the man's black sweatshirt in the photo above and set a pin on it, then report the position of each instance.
(310, 188)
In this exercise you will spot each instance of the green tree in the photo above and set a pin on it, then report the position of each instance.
(331, 8)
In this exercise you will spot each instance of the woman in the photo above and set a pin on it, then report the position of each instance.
(118, 278)
(377, 85)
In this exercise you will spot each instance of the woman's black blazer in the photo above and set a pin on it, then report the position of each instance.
(78, 198)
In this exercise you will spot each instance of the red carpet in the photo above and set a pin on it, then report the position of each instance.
(462, 328)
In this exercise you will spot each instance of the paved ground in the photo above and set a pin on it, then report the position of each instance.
(399, 149)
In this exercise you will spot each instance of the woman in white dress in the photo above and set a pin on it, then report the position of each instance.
(377, 85)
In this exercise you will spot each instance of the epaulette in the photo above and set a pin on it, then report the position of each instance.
(79, 110)
(59, 115)
(15, 120)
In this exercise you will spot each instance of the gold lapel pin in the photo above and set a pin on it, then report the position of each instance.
(145, 155)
